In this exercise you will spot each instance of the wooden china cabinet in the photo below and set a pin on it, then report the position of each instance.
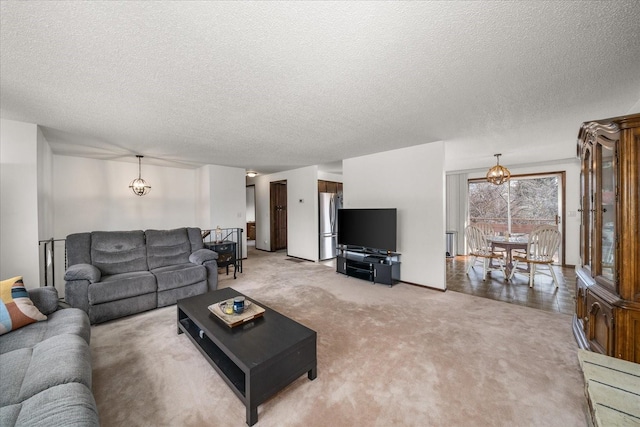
(607, 318)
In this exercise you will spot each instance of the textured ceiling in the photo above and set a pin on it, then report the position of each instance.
(272, 86)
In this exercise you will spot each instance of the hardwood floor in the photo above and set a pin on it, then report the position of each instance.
(542, 296)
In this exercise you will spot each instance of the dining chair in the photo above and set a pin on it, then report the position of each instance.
(543, 244)
(488, 231)
(480, 248)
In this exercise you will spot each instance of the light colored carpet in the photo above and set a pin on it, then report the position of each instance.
(402, 356)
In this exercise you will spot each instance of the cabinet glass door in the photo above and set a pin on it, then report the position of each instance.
(606, 210)
(586, 217)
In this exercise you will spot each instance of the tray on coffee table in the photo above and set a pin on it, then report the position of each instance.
(251, 311)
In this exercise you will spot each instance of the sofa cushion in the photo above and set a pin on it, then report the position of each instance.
(16, 308)
(123, 307)
(115, 252)
(13, 368)
(58, 360)
(196, 238)
(167, 247)
(121, 286)
(61, 405)
(171, 296)
(176, 276)
(68, 321)
(78, 247)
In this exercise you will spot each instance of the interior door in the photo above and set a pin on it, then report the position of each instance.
(278, 198)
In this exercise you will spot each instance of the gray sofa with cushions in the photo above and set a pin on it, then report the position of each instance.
(113, 274)
(45, 368)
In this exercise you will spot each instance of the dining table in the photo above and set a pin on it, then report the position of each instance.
(509, 244)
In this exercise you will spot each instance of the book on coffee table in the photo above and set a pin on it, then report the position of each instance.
(251, 311)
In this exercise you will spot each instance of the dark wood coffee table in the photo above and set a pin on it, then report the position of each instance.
(256, 359)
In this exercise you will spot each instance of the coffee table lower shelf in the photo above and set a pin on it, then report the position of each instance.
(253, 382)
(230, 372)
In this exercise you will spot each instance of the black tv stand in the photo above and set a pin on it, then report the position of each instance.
(372, 265)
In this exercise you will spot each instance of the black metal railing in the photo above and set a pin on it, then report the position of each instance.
(48, 262)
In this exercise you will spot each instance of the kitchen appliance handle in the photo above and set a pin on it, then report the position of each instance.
(332, 214)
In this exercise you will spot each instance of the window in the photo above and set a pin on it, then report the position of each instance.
(519, 205)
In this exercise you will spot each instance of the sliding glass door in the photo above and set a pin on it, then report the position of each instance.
(519, 205)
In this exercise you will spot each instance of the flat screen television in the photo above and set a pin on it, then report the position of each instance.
(368, 228)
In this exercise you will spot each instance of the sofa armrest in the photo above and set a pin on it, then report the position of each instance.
(202, 255)
(212, 274)
(82, 272)
(45, 299)
(76, 294)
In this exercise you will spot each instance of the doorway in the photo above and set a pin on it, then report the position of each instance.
(278, 210)
(251, 214)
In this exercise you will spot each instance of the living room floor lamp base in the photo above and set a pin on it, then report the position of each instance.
(139, 186)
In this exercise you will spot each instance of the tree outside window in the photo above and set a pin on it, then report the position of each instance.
(517, 206)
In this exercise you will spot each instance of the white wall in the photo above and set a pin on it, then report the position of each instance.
(92, 195)
(45, 188)
(45, 211)
(203, 191)
(302, 211)
(226, 200)
(227, 197)
(411, 180)
(19, 202)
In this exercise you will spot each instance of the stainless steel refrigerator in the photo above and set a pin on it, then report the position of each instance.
(329, 203)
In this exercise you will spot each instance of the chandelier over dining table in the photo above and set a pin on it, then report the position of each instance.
(498, 174)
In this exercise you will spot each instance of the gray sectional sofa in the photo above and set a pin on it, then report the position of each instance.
(45, 368)
(113, 274)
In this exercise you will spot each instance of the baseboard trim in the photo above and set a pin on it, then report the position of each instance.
(422, 286)
(297, 257)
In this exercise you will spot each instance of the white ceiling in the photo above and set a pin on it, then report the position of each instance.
(272, 86)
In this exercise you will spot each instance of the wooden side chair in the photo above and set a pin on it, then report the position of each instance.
(480, 248)
(543, 244)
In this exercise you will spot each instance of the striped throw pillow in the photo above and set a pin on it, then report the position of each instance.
(16, 309)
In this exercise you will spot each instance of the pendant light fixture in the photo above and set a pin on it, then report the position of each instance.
(139, 186)
(498, 174)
